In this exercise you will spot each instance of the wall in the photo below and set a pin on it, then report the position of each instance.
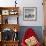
(37, 25)
(44, 12)
(38, 5)
(44, 4)
(27, 3)
(37, 29)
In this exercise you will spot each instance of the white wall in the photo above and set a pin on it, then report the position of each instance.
(38, 5)
(27, 3)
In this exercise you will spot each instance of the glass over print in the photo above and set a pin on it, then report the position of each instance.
(30, 13)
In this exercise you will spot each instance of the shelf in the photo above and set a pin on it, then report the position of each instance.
(10, 19)
(9, 10)
(10, 26)
(9, 22)
(11, 41)
(6, 12)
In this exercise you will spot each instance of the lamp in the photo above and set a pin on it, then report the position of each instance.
(15, 3)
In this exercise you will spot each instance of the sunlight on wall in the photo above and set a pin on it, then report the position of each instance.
(9, 2)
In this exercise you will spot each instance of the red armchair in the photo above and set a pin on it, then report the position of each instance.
(28, 35)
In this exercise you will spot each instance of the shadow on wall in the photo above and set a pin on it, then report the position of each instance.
(37, 29)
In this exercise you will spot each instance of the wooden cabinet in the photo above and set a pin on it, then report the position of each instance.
(9, 23)
(7, 13)
(10, 43)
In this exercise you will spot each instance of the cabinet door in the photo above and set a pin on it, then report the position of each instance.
(10, 44)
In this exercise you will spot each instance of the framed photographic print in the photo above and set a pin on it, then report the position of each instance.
(30, 13)
(5, 12)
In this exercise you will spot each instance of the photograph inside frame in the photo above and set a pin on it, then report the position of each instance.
(30, 13)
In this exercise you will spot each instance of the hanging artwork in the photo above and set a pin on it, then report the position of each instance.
(30, 13)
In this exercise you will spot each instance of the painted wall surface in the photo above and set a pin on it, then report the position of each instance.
(26, 3)
(38, 5)
(37, 29)
(36, 25)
